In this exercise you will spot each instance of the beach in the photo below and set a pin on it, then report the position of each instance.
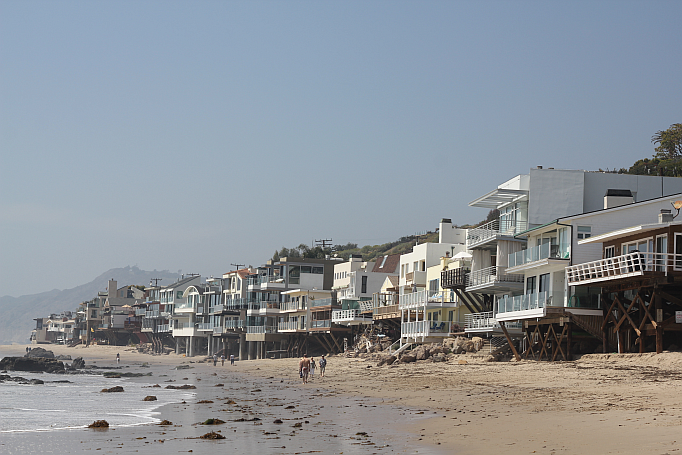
(600, 403)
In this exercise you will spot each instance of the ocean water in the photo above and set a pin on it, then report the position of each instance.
(57, 406)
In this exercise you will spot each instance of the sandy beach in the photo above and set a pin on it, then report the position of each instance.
(598, 404)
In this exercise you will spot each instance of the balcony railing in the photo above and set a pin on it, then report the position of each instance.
(347, 315)
(261, 329)
(163, 328)
(233, 324)
(492, 275)
(530, 301)
(420, 299)
(238, 304)
(152, 314)
(418, 277)
(454, 278)
(390, 309)
(538, 253)
(494, 228)
(292, 306)
(485, 321)
(384, 299)
(631, 264)
(205, 326)
(289, 326)
(417, 329)
(217, 330)
(140, 311)
(321, 302)
(216, 309)
(320, 324)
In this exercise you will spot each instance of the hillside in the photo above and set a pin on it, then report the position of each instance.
(17, 313)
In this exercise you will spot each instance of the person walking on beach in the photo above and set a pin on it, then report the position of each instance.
(323, 365)
(231, 359)
(222, 360)
(215, 359)
(118, 358)
(303, 367)
(313, 365)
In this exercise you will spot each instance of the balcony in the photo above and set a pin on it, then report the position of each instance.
(238, 304)
(493, 279)
(290, 326)
(321, 324)
(538, 255)
(161, 328)
(420, 299)
(313, 303)
(350, 317)
(217, 331)
(528, 305)
(424, 329)
(140, 311)
(234, 324)
(387, 312)
(454, 278)
(152, 314)
(486, 322)
(216, 309)
(261, 329)
(493, 231)
(625, 266)
(205, 326)
(288, 307)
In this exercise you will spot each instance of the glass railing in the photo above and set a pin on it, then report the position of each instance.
(538, 253)
(320, 324)
(163, 328)
(491, 275)
(152, 314)
(205, 326)
(234, 323)
(321, 302)
(533, 301)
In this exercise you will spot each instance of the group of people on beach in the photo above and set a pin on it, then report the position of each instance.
(306, 367)
(222, 359)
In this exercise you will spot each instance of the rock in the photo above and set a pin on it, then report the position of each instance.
(63, 357)
(149, 398)
(41, 353)
(78, 363)
(45, 365)
(422, 352)
(118, 388)
(408, 357)
(478, 343)
(462, 362)
(20, 380)
(438, 358)
(277, 421)
(181, 387)
(437, 349)
(99, 424)
(213, 422)
(165, 422)
(386, 360)
(212, 435)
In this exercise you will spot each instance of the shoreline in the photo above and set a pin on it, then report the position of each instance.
(599, 403)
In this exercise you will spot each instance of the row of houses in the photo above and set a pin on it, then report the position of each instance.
(572, 260)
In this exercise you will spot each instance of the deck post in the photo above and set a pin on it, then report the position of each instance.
(509, 340)
(569, 340)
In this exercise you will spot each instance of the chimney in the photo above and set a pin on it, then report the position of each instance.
(616, 198)
(444, 229)
(539, 167)
(355, 258)
(665, 216)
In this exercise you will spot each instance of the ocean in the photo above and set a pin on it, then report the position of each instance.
(76, 404)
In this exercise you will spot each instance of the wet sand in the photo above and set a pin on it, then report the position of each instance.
(253, 395)
(598, 404)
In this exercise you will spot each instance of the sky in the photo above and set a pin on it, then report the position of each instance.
(189, 135)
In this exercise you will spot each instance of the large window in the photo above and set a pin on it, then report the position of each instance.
(544, 283)
(364, 284)
(584, 232)
(530, 284)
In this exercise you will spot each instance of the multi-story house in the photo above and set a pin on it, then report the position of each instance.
(157, 317)
(529, 201)
(230, 313)
(183, 313)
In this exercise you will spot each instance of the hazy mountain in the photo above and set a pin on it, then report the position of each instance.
(17, 313)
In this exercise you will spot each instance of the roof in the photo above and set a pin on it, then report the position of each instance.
(390, 263)
(394, 279)
(498, 196)
(180, 282)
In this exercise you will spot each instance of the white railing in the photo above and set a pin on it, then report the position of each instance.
(261, 329)
(631, 264)
(289, 326)
(237, 304)
(480, 321)
(420, 299)
(292, 306)
(494, 228)
(538, 253)
(366, 305)
(217, 309)
(152, 314)
(205, 326)
(384, 299)
(163, 328)
(345, 315)
(424, 329)
(234, 324)
(140, 311)
(492, 275)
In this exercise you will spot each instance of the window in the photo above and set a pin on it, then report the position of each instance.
(178, 295)
(544, 283)
(383, 262)
(661, 247)
(306, 269)
(530, 285)
(433, 285)
(584, 232)
(678, 251)
(609, 252)
(318, 270)
(364, 284)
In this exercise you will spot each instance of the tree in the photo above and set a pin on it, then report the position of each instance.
(275, 257)
(670, 142)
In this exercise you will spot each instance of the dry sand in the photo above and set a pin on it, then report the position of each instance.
(598, 404)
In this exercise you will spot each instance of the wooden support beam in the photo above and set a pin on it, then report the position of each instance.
(609, 315)
(509, 340)
(674, 300)
(626, 314)
(569, 341)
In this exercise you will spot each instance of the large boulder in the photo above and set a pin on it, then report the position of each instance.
(386, 360)
(408, 357)
(78, 363)
(478, 343)
(40, 352)
(422, 352)
(32, 364)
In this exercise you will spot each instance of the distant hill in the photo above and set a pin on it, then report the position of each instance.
(17, 313)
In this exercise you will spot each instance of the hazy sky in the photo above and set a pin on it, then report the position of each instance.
(189, 135)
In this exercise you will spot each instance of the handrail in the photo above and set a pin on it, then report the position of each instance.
(631, 264)
(490, 275)
(538, 253)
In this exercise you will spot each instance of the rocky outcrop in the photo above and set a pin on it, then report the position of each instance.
(78, 363)
(118, 388)
(20, 380)
(40, 352)
(37, 364)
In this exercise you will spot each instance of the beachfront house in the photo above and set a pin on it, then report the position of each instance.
(183, 313)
